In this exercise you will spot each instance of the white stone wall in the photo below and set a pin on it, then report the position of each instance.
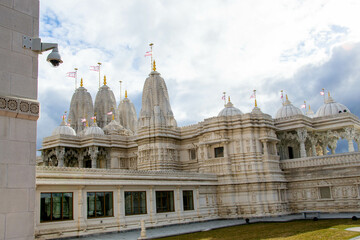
(70, 180)
(18, 114)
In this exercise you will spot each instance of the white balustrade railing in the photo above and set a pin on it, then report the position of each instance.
(326, 160)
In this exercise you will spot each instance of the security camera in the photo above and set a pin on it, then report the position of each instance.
(54, 57)
(36, 45)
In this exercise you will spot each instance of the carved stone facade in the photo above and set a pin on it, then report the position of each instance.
(236, 165)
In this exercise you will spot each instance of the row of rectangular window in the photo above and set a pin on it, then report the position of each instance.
(59, 206)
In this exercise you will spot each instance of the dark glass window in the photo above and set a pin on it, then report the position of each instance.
(291, 153)
(87, 163)
(325, 192)
(135, 203)
(188, 200)
(219, 152)
(100, 204)
(56, 206)
(164, 201)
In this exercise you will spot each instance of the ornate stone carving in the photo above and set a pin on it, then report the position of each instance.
(19, 108)
(349, 135)
(60, 153)
(93, 152)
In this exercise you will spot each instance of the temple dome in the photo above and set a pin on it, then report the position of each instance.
(104, 103)
(127, 114)
(229, 110)
(156, 109)
(115, 127)
(94, 130)
(63, 129)
(310, 113)
(81, 106)
(330, 107)
(288, 110)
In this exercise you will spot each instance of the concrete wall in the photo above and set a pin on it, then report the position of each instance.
(19, 111)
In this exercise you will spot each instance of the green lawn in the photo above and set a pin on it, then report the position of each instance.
(302, 229)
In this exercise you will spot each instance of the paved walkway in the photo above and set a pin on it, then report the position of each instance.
(203, 226)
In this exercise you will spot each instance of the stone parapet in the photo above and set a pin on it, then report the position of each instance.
(331, 161)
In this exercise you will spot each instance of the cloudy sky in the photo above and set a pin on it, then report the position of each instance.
(203, 48)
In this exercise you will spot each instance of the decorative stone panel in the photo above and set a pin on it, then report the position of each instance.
(19, 108)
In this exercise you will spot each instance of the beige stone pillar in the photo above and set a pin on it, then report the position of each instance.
(266, 153)
(349, 136)
(206, 151)
(152, 202)
(302, 135)
(19, 111)
(81, 159)
(178, 203)
(93, 151)
(81, 209)
(60, 154)
(197, 192)
(120, 215)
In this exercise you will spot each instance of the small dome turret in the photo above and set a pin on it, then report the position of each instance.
(115, 128)
(330, 107)
(288, 110)
(127, 114)
(310, 113)
(64, 129)
(94, 130)
(229, 110)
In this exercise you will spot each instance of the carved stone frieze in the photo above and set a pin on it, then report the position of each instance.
(19, 108)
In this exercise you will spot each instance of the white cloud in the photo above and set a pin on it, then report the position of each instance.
(202, 48)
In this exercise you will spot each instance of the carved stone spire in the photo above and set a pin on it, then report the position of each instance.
(156, 110)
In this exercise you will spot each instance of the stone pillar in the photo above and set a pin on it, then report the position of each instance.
(302, 134)
(332, 145)
(151, 199)
(177, 202)
(60, 154)
(226, 150)
(206, 151)
(81, 209)
(120, 206)
(197, 194)
(93, 152)
(81, 158)
(266, 153)
(19, 111)
(349, 136)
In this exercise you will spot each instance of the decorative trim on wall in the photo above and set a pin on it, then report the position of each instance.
(19, 108)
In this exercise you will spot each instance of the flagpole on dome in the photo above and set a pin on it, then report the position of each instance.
(151, 50)
(75, 77)
(224, 98)
(99, 63)
(120, 89)
(255, 98)
(322, 93)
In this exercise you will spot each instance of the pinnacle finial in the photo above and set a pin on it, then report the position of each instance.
(154, 66)
(255, 103)
(81, 82)
(229, 98)
(125, 93)
(104, 79)
(328, 93)
(286, 97)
